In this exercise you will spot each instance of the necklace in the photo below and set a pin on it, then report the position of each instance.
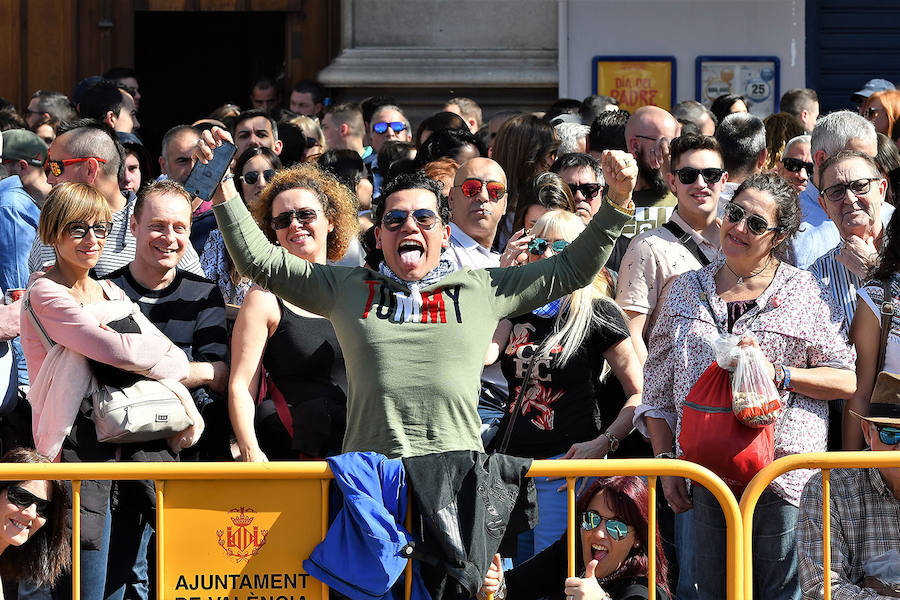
(72, 287)
(741, 278)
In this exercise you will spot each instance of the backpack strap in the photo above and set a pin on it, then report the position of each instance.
(687, 241)
(887, 314)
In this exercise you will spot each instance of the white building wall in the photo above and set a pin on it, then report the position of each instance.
(684, 29)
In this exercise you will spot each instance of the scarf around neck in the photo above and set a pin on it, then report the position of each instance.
(444, 268)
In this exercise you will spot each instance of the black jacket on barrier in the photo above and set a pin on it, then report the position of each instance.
(467, 502)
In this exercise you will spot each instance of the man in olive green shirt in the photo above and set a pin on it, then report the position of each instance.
(414, 334)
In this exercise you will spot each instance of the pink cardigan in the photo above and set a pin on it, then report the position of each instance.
(73, 326)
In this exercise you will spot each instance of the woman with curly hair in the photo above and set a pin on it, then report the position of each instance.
(34, 543)
(292, 352)
(780, 128)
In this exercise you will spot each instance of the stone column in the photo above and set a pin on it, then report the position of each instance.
(501, 53)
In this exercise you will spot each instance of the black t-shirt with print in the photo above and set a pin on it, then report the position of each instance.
(559, 406)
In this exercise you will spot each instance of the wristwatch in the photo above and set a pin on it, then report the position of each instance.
(613, 441)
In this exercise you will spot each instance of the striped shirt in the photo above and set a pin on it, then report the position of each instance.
(841, 282)
(865, 523)
(189, 311)
(118, 251)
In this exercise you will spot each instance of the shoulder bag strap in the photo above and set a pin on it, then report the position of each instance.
(29, 310)
(887, 314)
(687, 241)
(501, 449)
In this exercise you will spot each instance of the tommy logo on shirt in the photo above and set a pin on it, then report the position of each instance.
(400, 307)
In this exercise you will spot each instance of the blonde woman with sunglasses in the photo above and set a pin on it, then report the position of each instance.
(554, 414)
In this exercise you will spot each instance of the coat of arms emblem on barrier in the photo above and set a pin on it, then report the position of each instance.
(243, 540)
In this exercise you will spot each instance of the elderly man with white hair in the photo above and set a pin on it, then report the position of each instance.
(841, 130)
(572, 137)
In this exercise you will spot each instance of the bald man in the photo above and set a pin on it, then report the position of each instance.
(475, 217)
(644, 133)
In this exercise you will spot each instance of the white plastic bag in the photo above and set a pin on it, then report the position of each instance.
(754, 399)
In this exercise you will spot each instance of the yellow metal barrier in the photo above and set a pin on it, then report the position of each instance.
(565, 469)
(824, 461)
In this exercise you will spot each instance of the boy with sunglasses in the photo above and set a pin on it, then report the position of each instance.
(687, 242)
(864, 514)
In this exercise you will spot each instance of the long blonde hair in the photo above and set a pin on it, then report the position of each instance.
(577, 315)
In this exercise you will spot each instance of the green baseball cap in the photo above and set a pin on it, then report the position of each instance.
(21, 144)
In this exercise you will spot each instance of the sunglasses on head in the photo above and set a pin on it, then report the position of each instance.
(23, 499)
(588, 190)
(538, 246)
(56, 167)
(382, 126)
(304, 216)
(755, 223)
(888, 434)
(79, 229)
(688, 175)
(795, 164)
(472, 187)
(591, 520)
(252, 177)
(424, 218)
(310, 142)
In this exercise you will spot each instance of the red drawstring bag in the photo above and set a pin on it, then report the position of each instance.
(713, 437)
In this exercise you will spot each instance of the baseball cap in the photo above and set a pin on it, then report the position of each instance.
(21, 144)
(872, 86)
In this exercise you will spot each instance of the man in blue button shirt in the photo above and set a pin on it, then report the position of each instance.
(21, 195)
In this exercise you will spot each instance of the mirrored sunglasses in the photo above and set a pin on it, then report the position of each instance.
(795, 164)
(889, 436)
(424, 218)
(588, 190)
(304, 216)
(472, 187)
(23, 499)
(616, 529)
(79, 229)
(252, 177)
(382, 126)
(688, 175)
(755, 223)
(538, 246)
(56, 167)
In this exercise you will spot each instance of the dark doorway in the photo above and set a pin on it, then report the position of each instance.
(180, 83)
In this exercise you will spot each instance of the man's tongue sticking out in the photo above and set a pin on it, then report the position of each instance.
(411, 255)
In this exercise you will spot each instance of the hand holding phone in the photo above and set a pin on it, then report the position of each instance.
(205, 177)
(204, 152)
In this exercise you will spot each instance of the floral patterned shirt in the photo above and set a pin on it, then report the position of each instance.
(212, 260)
(796, 322)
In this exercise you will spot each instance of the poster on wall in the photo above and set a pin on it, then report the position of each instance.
(636, 81)
(756, 78)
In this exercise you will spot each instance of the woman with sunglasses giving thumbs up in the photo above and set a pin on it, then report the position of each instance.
(611, 557)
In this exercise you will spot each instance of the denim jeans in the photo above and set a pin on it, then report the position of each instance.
(93, 570)
(552, 514)
(132, 527)
(774, 547)
(684, 551)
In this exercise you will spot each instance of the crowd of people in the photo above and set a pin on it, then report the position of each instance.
(546, 286)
